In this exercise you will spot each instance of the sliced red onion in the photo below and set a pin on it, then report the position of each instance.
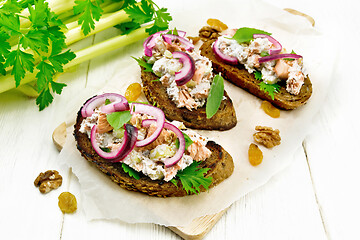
(127, 145)
(88, 108)
(226, 58)
(152, 111)
(277, 46)
(279, 56)
(149, 43)
(180, 152)
(187, 71)
(115, 107)
(186, 43)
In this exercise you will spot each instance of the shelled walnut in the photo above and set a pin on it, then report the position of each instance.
(267, 136)
(209, 32)
(48, 181)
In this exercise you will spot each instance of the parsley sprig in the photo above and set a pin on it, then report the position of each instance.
(39, 47)
(192, 178)
(33, 38)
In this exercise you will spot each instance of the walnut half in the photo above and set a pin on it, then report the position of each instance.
(209, 32)
(47, 181)
(267, 136)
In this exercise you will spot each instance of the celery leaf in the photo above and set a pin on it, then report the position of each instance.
(132, 172)
(271, 89)
(192, 178)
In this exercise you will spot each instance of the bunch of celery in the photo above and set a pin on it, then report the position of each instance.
(35, 36)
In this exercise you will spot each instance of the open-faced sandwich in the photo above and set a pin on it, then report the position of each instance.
(255, 61)
(181, 82)
(138, 149)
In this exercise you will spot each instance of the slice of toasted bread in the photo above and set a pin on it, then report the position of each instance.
(155, 92)
(220, 163)
(239, 76)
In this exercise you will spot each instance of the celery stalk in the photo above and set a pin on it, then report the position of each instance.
(7, 83)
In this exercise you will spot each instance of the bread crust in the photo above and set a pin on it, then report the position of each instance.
(239, 76)
(155, 92)
(220, 163)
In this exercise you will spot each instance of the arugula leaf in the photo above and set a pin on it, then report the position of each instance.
(90, 11)
(132, 172)
(246, 34)
(118, 119)
(142, 63)
(188, 141)
(215, 96)
(192, 178)
(271, 89)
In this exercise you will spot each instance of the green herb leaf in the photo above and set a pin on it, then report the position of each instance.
(143, 63)
(107, 101)
(271, 89)
(188, 141)
(245, 34)
(90, 12)
(264, 54)
(118, 119)
(21, 62)
(258, 75)
(193, 177)
(215, 96)
(290, 59)
(140, 13)
(128, 27)
(105, 149)
(44, 99)
(130, 171)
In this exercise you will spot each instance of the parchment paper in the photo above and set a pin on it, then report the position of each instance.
(103, 199)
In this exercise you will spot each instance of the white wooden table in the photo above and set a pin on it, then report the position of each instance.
(316, 197)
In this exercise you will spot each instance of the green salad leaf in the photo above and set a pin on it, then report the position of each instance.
(192, 178)
(271, 89)
(215, 96)
(118, 119)
(132, 172)
(188, 141)
(258, 75)
(245, 34)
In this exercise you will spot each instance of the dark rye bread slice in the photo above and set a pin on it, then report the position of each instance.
(220, 163)
(155, 92)
(239, 76)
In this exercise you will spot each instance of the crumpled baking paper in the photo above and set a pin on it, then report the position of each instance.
(103, 199)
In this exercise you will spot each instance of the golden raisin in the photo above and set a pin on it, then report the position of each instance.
(133, 92)
(255, 155)
(67, 202)
(217, 23)
(270, 110)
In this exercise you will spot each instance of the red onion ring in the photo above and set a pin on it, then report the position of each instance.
(186, 43)
(279, 56)
(180, 152)
(88, 109)
(149, 43)
(187, 71)
(152, 111)
(226, 58)
(115, 107)
(128, 144)
(276, 44)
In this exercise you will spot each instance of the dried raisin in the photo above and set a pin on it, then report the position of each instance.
(133, 92)
(255, 155)
(67, 202)
(270, 110)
